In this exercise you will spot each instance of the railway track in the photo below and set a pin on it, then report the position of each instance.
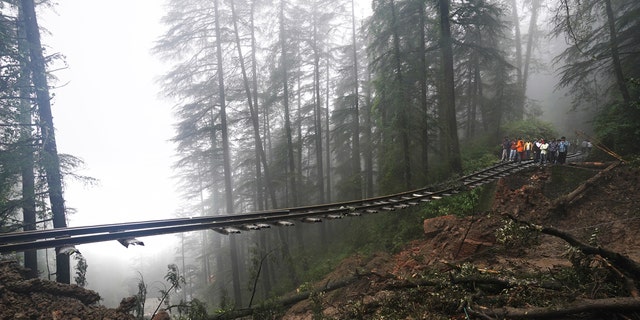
(126, 233)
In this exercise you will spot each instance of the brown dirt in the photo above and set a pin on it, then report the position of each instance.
(41, 299)
(609, 208)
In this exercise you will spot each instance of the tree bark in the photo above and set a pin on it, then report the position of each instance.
(228, 186)
(356, 108)
(533, 22)
(287, 116)
(448, 122)
(52, 160)
(403, 122)
(518, 44)
(261, 157)
(615, 54)
(368, 138)
(612, 305)
(424, 106)
(267, 173)
(327, 136)
(27, 150)
(317, 114)
(518, 41)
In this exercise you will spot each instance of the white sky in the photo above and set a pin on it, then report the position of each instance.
(110, 113)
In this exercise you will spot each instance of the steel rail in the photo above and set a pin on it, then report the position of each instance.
(41, 239)
(126, 226)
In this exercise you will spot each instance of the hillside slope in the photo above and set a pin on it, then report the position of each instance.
(463, 267)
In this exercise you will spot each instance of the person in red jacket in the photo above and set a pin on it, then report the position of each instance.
(520, 149)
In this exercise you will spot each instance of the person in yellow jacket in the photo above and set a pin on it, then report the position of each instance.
(528, 147)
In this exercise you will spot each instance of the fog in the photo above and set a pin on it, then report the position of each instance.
(115, 271)
(108, 112)
(542, 86)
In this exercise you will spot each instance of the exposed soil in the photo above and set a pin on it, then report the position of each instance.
(607, 209)
(41, 299)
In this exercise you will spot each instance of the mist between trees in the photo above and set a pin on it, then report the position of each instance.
(288, 103)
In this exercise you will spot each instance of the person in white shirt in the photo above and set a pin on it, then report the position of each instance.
(543, 151)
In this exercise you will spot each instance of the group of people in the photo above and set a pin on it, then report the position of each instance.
(541, 151)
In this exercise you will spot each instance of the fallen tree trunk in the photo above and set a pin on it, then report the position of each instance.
(289, 301)
(616, 305)
(623, 262)
(560, 204)
(589, 165)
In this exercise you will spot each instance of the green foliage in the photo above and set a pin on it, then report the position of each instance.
(479, 161)
(81, 270)
(480, 151)
(565, 179)
(590, 274)
(316, 305)
(618, 127)
(141, 297)
(192, 310)
(514, 235)
(387, 231)
(461, 204)
(268, 310)
(529, 129)
(175, 281)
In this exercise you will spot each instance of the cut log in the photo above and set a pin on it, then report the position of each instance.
(617, 305)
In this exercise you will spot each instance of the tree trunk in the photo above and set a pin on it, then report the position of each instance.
(518, 44)
(470, 112)
(327, 137)
(265, 275)
(355, 150)
(499, 104)
(368, 139)
(52, 160)
(448, 123)
(261, 157)
(403, 124)
(228, 186)
(615, 54)
(287, 116)
(267, 175)
(26, 148)
(317, 110)
(620, 261)
(424, 106)
(535, 6)
(480, 98)
(595, 306)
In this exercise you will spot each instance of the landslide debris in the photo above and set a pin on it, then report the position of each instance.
(461, 269)
(22, 298)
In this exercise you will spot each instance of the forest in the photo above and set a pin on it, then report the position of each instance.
(285, 103)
